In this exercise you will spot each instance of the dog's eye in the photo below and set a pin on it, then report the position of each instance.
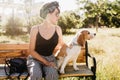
(88, 32)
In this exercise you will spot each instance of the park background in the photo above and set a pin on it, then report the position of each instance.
(100, 16)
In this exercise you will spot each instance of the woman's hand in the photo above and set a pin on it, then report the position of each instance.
(70, 46)
(51, 64)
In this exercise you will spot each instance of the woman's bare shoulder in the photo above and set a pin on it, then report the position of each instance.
(59, 31)
(58, 28)
(35, 28)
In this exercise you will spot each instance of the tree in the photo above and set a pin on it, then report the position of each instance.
(28, 9)
(103, 12)
(94, 10)
(15, 28)
(32, 18)
(115, 12)
(69, 20)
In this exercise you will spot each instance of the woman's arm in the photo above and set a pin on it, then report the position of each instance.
(60, 40)
(61, 43)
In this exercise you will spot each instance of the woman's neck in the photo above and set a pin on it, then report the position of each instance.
(47, 24)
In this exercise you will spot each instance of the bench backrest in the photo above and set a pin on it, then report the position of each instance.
(13, 50)
(21, 50)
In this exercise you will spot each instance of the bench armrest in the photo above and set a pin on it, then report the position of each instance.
(90, 61)
(92, 65)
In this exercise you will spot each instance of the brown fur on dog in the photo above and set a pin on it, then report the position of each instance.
(62, 52)
(83, 37)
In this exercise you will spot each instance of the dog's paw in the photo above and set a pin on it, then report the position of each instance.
(76, 68)
(62, 72)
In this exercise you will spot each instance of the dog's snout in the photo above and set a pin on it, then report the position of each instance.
(94, 34)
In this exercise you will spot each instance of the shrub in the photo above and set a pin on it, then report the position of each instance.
(69, 20)
(13, 26)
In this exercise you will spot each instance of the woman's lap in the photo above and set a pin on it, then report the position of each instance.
(37, 70)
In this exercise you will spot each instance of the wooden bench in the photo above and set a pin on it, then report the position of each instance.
(21, 50)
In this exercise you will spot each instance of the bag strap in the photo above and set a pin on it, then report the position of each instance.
(18, 77)
(5, 68)
(27, 76)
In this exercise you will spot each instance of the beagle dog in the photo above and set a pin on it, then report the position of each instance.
(67, 54)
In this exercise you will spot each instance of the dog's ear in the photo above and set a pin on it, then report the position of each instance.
(81, 39)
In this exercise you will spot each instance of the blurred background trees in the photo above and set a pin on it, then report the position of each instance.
(14, 26)
(96, 14)
(69, 20)
(100, 13)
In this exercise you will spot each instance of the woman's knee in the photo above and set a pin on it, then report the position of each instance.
(35, 74)
(52, 74)
(34, 69)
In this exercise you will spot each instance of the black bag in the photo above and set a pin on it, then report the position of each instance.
(16, 65)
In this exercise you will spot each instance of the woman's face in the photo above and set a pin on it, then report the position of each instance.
(53, 17)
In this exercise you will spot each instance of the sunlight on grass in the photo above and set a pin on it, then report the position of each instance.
(105, 47)
(15, 39)
(107, 60)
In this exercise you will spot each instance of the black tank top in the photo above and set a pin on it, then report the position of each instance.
(45, 47)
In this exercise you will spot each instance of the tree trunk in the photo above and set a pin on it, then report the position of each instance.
(96, 22)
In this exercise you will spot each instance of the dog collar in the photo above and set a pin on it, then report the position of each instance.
(75, 44)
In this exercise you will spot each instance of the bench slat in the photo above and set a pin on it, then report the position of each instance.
(84, 71)
(13, 46)
(13, 53)
(70, 72)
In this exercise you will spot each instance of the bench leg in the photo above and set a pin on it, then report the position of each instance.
(94, 78)
(94, 69)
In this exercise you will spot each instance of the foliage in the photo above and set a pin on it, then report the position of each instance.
(105, 19)
(89, 22)
(14, 26)
(103, 12)
(69, 20)
(31, 20)
(35, 20)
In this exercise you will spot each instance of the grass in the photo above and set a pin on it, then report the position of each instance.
(14, 39)
(105, 47)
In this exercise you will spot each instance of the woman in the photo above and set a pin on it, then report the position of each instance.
(44, 40)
